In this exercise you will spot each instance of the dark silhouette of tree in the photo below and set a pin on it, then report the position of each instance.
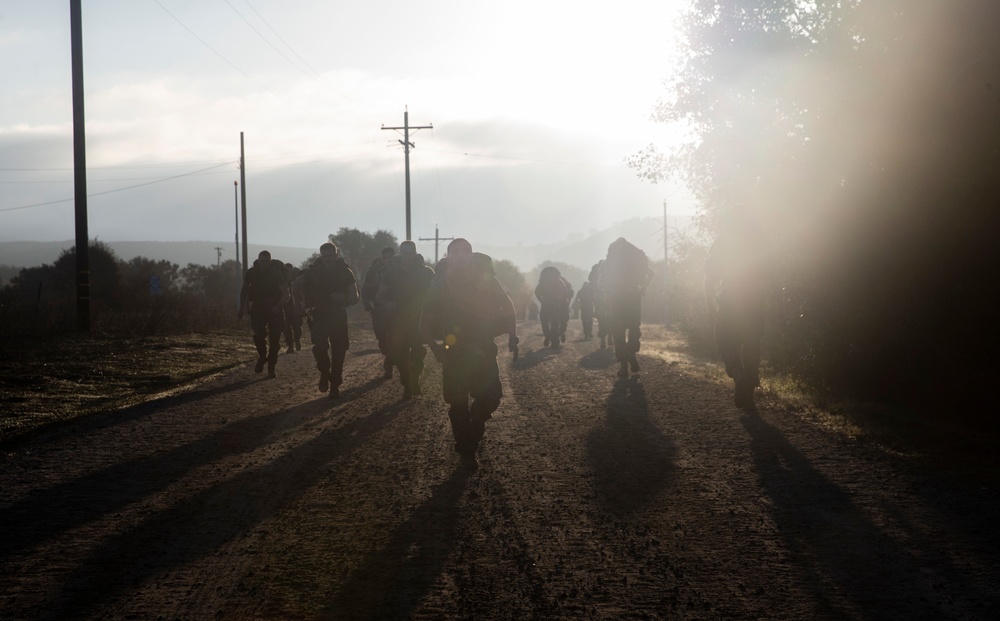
(359, 247)
(137, 277)
(513, 281)
(862, 135)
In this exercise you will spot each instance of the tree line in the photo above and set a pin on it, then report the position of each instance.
(864, 137)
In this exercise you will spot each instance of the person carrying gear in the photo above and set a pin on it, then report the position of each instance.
(738, 281)
(265, 291)
(465, 310)
(624, 277)
(369, 292)
(402, 290)
(585, 302)
(600, 305)
(293, 320)
(325, 290)
(554, 295)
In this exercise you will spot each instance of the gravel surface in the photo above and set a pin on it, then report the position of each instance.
(596, 498)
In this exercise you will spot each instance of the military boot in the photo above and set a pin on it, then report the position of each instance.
(623, 369)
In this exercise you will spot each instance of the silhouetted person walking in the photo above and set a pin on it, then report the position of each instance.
(554, 295)
(585, 301)
(601, 313)
(380, 320)
(625, 275)
(293, 320)
(466, 309)
(401, 294)
(265, 291)
(738, 281)
(325, 290)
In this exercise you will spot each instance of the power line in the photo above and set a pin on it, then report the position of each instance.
(245, 74)
(317, 74)
(437, 239)
(109, 180)
(131, 187)
(259, 34)
(70, 168)
(406, 150)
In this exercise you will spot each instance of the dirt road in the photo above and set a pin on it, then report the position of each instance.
(597, 498)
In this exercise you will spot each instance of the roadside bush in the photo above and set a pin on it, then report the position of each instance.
(128, 299)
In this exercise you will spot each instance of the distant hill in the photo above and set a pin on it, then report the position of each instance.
(579, 250)
(583, 251)
(33, 254)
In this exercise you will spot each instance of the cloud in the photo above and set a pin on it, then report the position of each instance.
(527, 142)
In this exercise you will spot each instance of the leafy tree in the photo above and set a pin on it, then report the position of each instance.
(137, 274)
(46, 295)
(214, 284)
(513, 281)
(105, 274)
(7, 273)
(509, 275)
(863, 136)
(359, 248)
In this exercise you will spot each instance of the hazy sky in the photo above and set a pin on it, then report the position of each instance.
(535, 104)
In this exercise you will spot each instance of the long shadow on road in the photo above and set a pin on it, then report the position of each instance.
(90, 423)
(632, 457)
(598, 359)
(851, 568)
(534, 357)
(47, 512)
(394, 580)
(196, 526)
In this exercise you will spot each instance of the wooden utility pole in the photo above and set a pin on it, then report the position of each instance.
(218, 256)
(666, 317)
(243, 195)
(239, 264)
(80, 171)
(665, 233)
(436, 239)
(406, 151)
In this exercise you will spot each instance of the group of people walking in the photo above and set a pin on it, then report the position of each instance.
(459, 308)
(612, 295)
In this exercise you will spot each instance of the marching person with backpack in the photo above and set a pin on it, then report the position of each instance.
(600, 297)
(624, 277)
(401, 293)
(738, 280)
(325, 290)
(585, 301)
(465, 310)
(265, 291)
(369, 293)
(293, 320)
(554, 295)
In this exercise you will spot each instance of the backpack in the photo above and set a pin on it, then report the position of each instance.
(449, 299)
(267, 287)
(316, 289)
(626, 267)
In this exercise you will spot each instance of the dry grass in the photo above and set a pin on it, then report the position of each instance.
(931, 431)
(43, 383)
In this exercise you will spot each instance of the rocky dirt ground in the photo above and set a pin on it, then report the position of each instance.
(239, 497)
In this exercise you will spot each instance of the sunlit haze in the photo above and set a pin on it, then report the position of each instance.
(534, 108)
